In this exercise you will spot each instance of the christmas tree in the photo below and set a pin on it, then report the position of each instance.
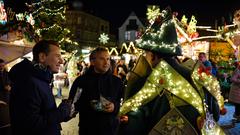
(48, 20)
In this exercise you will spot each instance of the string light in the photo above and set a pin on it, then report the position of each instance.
(184, 20)
(114, 49)
(154, 39)
(210, 83)
(164, 77)
(153, 13)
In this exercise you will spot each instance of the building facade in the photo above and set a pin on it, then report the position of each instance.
(129, 30)
(88, 28)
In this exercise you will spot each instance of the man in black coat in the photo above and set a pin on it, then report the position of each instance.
(4, 82)
(99, 102)
(33, 109)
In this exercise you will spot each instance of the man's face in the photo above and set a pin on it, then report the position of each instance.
(202, 57)
(53, 59)
(101, 62)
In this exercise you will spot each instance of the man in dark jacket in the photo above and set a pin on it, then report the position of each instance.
(4, 82)
(99, 102)
(33, 109)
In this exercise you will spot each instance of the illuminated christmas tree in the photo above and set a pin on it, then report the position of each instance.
(48, 20)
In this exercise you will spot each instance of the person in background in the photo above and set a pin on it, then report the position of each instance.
(59, 81)
(214, 68)
(4, 82)
(131, 63)
(122, 70)
(5, 88)
(234, 94)
(5, 127)
(33, 110)
(99, 102)
(113, 67)
(205, 64)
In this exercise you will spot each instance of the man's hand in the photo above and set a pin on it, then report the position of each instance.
(109, 107)
(7, 87)
(124, 119)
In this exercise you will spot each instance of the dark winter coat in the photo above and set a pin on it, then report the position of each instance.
(93, 122)
(33, 110)
(4, 81)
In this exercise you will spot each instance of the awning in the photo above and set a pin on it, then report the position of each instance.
(10, 52)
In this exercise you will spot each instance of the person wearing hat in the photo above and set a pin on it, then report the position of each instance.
(164, 97)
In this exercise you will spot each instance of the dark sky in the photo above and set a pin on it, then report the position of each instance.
(116, 11)
(205, 11)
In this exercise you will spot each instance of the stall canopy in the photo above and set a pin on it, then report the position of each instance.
(10, 52)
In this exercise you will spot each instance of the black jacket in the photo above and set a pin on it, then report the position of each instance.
(93, 122)
(33, 110)
(4, 81)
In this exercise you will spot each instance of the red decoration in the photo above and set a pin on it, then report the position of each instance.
(139, 34)
(194, 35)
(223, 111)
(200, 122)
(161, 81)
(158, 20)
(202, 69)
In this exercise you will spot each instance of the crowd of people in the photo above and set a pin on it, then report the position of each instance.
(157, 94)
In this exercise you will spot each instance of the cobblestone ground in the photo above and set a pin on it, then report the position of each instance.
(70, 127)
(225, 121)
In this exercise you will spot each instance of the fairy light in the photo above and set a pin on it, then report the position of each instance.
(124, 46)
(207, 37)
(210, 83)
(113, 50)
(153, 39)
(174, 82)
(54, 26)
(43, 1)
(153, 13)
(184, 20)
(61, 9)
(131, 44)
(30, 19)
(182, 31)
(20, 17)
(163, 77)
(192, 25)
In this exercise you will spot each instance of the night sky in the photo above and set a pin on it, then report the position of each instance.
(207, 12)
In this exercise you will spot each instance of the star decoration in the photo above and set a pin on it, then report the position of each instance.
(103, 38)
(152, 13)
(184, 20)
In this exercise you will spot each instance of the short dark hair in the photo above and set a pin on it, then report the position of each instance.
(95, 51)
(43, 46)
